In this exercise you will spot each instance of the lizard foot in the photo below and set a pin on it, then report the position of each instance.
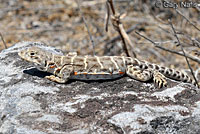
(159, 79)
(55, 79)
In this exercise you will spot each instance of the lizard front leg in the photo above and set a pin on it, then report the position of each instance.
(61, 75)
(145, 75)
(72, 54)
(56, 79)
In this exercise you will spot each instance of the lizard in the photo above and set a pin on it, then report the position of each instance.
(72, 66)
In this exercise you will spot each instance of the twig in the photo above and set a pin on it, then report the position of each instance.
(91, 39)
(184, 53)
(116, 21)
(168, 50)
(110, 44)
(112, 6)
(107, 16)
(128, 31)
(3, 41)
(125, 35)
(187, 19)
(195, 42)
(197, 72)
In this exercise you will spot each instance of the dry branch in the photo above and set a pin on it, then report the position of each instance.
(168, 50)
(114, 39)
(118, 26)
(192, 72)
(188, 20)
(90, 35)
(4, 43)
(107, 16)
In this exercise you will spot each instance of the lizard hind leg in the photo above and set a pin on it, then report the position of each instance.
(146, 74)
(139, 74)
(159, 79)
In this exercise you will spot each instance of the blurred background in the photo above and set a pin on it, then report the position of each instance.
(59, 23)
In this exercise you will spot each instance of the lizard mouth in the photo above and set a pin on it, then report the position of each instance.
(22, 54)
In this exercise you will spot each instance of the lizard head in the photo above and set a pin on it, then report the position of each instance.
(35, 55)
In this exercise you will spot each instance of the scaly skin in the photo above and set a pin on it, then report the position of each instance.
(88, 67)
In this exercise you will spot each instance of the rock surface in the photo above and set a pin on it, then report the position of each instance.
(31, 104)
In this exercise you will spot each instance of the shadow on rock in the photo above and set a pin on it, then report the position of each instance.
(36, 72)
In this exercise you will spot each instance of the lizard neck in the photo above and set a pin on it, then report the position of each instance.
(55, 62)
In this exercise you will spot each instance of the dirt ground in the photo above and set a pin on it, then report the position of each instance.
(59, 24)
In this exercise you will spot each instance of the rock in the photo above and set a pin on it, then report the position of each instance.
(31, 104)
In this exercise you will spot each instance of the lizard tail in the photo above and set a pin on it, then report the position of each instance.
(173, 74)
(179, 75)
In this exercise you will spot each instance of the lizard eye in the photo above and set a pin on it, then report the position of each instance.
(32, 53)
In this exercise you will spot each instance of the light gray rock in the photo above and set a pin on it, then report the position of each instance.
(31, 104)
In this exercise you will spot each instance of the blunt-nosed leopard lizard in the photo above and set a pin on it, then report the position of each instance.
(88, 67)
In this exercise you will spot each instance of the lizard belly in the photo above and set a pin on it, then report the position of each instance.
(95, 76)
